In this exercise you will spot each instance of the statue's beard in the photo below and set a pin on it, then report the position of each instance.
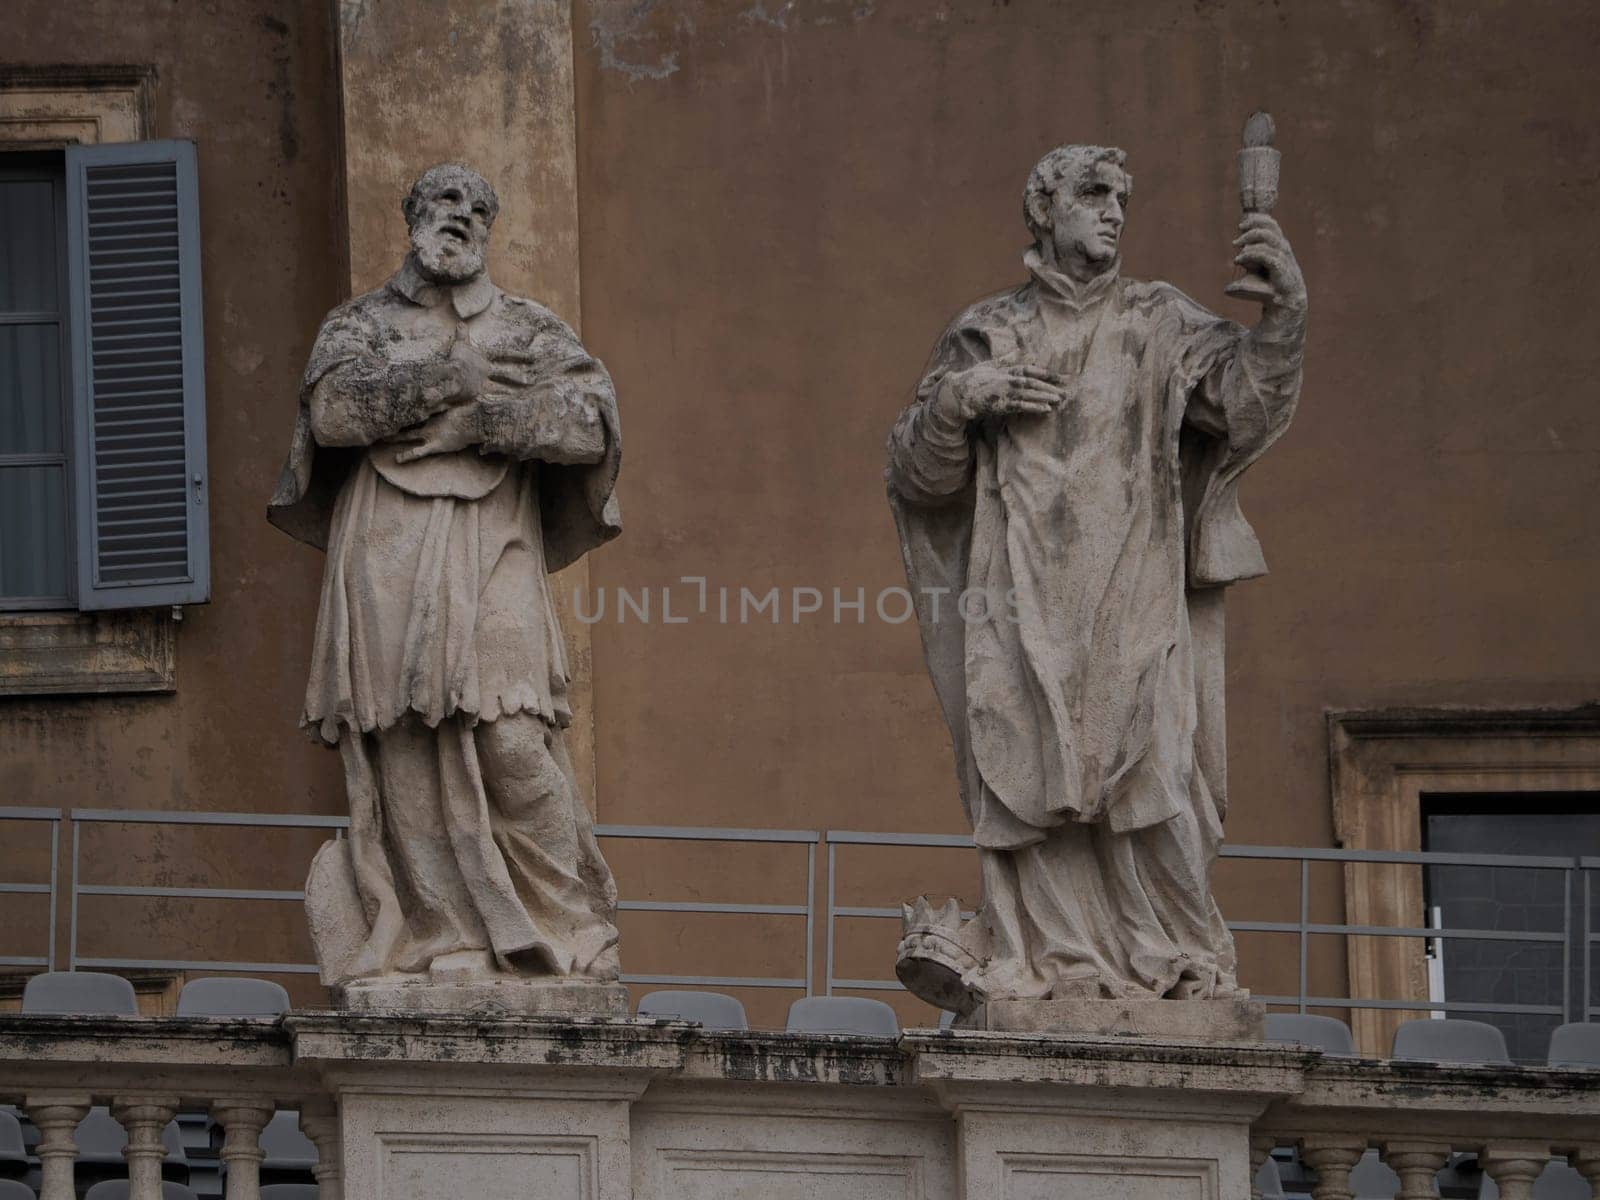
(445, 258)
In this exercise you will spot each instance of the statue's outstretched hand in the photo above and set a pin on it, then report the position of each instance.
(1264, 248)
(991, 390)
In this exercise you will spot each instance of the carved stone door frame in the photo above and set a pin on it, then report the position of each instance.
(1381, 763)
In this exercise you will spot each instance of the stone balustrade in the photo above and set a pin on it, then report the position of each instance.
(407, 1108)
(1418, 1116)
(148, 1069)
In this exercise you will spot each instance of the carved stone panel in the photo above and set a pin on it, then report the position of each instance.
(424, 1167)
(1086, 1177)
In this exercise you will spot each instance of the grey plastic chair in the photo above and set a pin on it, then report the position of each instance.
(117, 1189)
(1450, 1041)
(843, 1014)
(285, 1147)
(1557, 1181)
(290, 1191)
(101, 1140)
(1371, 1179)
(14, 1189)
(1576, 1045)
(13, 1154)
(1268, 1182)
(79, 993)
(232, 998)
(712, 1009)
(1327, 1034)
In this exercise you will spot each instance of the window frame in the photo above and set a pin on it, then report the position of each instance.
(71, 652)
(22, 165)
(1381, 763)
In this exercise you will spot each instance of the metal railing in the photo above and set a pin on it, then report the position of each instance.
(53, 816)
(1578, 873)
(81, 817)
(1303, 927)
(805, 837)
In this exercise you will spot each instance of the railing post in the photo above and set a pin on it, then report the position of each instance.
(827, 989)
(57, 1118)
(1332, 1158)
(1514, 1166)
(1417, 1163)
(144, 1118)
(319, 1121)
(242, 1121)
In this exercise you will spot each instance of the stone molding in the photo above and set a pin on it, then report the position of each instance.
(102, 653)
(404, 1107)
(46, 107)
(1380, 764)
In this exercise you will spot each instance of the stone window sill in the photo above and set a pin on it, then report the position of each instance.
(67, 653)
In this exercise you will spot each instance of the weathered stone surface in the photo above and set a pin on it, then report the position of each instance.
(1221, 1019)
(454, 444)
(418, 1106)
(1065, 488)
(510, 997)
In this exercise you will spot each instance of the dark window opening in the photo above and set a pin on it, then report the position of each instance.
(1544, 966)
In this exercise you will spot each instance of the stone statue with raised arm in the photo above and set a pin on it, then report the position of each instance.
(454, 446)
(1065, 485)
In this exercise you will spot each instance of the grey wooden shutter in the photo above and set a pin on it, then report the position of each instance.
(138, 383)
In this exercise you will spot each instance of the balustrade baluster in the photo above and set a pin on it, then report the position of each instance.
(144, 1119)
(319, 1121)
(1585, 1161)
(1417, 1164)
(1332, 1158)
(57, 1119)
(242, 1122)
(1514, 1166)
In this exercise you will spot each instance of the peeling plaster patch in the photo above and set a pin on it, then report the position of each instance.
(817, 12)
(759, 14)
(351, 14)
(246, 359)
(619, 23)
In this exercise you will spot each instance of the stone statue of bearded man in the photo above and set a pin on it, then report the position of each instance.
(454, 445)
(1070, 467)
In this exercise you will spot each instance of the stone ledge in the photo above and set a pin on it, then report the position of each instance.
(70, 653)
(1235, 1019)
(136, 1041)
(1450, 1090)
(331, 1036)
(974, 1056)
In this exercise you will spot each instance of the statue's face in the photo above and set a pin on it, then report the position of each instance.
(450, 229)
(1086, 218)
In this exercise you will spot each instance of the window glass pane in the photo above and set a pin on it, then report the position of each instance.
(1542, 967)
(27, 246)
(33, 532)
(30, 389)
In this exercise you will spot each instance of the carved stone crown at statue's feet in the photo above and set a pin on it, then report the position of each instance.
(932, 962)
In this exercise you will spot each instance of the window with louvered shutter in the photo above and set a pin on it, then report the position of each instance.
(138, 412)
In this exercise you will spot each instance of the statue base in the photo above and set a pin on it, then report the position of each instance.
(516, 997)
(1234, 1019)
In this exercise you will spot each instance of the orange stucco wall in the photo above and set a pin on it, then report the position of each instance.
(780, 205)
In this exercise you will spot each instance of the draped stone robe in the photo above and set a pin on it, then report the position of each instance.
(1082, 677)
(438, 665)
